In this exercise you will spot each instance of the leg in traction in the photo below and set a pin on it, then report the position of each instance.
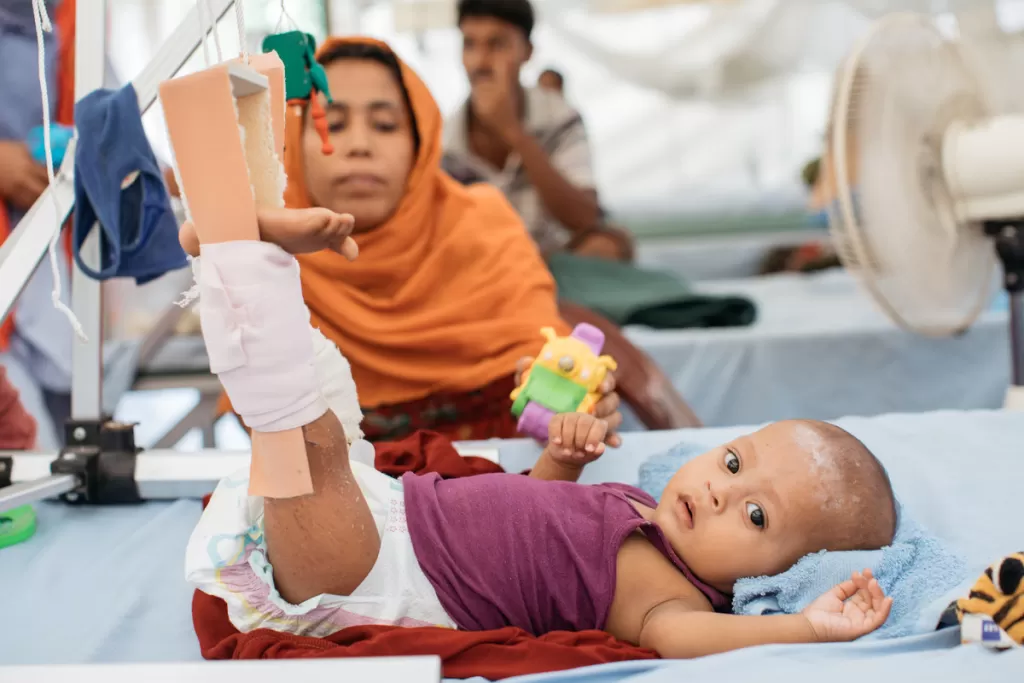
(320, 533)
(326, 542)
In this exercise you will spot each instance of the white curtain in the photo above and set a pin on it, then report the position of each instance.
(743, 45)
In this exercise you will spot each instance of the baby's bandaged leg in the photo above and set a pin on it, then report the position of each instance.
(255, 326)
(320, 534)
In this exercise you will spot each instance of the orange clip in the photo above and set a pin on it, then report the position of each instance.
(320, 122)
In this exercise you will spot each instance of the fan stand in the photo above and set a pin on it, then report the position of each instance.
(1009, 240)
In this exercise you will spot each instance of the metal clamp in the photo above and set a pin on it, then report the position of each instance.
(101, 456)
(6, 467)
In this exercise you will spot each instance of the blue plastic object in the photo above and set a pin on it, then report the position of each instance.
(60, 136)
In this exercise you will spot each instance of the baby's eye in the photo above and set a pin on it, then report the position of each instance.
(732, 462)
(756, 515)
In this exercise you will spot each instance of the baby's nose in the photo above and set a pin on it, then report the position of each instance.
(715, 498)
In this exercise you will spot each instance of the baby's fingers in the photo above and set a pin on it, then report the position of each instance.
(875, 589)
(568, 435)
(590, 435)
(882, 611)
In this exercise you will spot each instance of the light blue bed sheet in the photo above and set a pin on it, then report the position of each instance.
(106, 585)
(821, 348)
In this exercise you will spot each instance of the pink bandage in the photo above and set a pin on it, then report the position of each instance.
(256, 329)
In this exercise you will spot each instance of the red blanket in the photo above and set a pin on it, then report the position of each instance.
(492, 654)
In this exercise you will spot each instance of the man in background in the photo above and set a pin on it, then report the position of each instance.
(526, 141)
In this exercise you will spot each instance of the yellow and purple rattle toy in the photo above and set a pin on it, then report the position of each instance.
(564, 378)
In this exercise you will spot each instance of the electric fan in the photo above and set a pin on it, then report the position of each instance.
(929, 184)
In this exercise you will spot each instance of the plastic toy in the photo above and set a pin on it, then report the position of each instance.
(17, 525)
(564, 378)
(302, 73)
(60, 136)
(303, 76)
(992, 614)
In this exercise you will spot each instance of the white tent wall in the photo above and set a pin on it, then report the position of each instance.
(694, 110)
(687, 106)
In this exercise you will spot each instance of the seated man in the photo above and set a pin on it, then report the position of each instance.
(528, 142)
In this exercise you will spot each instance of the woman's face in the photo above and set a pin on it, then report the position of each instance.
(370, 129)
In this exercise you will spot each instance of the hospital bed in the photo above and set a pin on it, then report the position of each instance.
(724, 239)
(821, 349)
(106, 584)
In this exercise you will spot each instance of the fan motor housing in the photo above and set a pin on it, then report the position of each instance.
(983, 164)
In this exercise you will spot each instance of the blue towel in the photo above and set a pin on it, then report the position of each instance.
(921, 573)
(139, 233)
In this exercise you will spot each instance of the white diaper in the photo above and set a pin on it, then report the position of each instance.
(227, 558)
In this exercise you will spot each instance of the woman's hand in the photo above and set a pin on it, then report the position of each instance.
(297, 231)
(607, 408)
(852, 609)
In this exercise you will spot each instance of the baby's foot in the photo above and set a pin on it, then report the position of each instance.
(297, 231)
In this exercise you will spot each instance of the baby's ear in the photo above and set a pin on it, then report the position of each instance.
(549, 333)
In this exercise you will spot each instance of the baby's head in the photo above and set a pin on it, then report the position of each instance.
(758, 504)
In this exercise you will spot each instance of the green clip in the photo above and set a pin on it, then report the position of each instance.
(17, 525)
(302, 73)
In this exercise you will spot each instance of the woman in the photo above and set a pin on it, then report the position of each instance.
(448, 292)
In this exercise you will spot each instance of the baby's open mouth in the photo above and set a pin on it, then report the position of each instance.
(686, 511)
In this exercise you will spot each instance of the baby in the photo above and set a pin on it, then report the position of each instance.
(542, 552)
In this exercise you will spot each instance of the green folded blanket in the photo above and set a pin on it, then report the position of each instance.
(628, 295)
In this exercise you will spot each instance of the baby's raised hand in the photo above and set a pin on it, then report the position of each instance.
(852, 609)
(576, 439)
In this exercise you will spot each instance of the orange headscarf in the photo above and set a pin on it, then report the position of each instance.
(64, 21)
(446, 295)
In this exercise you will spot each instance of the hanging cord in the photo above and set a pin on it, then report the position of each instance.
(280, 20)
(216, 33)
(213, 27)
(201, 8)
(42, 21)
(240, 20)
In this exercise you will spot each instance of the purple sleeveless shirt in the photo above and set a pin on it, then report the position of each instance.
(507, 550)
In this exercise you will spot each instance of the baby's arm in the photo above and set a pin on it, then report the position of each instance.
(574, 440)
(658, 608)
(676, 631)
(850, 610)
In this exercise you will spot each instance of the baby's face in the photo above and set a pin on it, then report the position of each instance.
(747, 508)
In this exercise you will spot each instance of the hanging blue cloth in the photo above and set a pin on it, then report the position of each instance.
(138, 230)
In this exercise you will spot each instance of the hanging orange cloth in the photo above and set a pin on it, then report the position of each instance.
(64, 25)
(446, 295)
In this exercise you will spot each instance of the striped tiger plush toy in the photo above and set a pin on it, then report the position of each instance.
(999, 594)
